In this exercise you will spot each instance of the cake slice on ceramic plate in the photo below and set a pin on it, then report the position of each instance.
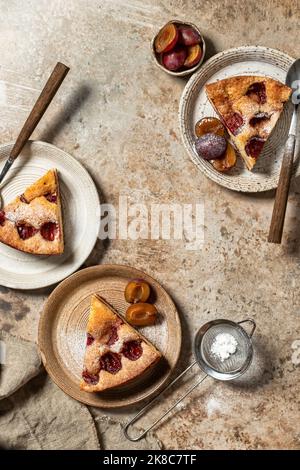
(33, 221)
(115, 352)
(249, 107)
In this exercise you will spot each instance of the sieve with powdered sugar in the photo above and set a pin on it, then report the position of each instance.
(223, 350)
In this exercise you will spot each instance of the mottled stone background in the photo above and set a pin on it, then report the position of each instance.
(117, 114)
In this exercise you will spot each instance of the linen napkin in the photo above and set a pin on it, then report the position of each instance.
(36, 414)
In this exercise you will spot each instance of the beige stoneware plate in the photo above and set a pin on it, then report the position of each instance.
(62, 333)
(81, 211)
(194, 105)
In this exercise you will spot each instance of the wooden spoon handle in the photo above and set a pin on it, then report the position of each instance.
(282, 192)
(55, 80)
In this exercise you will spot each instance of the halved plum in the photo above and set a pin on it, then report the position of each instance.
(132, 350)
(194, 54)
(26, 231)
(141, 314)
(174, 60)
(137, 290)
(254, 146)
(49, 230)
(227, 162)
(208, 125)
(166, 38)
(188, 36)
(91, 379)
(111, 362)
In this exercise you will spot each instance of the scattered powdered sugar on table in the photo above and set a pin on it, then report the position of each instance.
(224, 346)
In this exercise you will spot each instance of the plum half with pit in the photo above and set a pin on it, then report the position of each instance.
(175, 59)
(210, 146)
(166, 38)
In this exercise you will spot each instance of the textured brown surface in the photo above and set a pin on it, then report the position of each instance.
(117, 114)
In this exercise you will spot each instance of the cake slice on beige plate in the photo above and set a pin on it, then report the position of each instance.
(115, 352)
(249, 107)
(33, 221)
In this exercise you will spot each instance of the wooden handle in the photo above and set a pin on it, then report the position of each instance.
(55, 80)
(276, 227)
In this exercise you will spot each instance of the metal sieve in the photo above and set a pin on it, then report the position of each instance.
(211, 364)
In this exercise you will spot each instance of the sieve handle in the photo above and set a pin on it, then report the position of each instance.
(249, 320)
(142, 411)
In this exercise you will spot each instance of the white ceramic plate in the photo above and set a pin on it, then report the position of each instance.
(81, 212)
(194, 105)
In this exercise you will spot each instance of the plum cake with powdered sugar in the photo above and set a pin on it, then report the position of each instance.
(115, 352)
(249, 107)
(33, 221)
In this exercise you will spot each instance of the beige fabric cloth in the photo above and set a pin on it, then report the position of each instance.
(36, 414)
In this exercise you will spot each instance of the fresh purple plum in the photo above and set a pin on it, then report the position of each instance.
(211, 146)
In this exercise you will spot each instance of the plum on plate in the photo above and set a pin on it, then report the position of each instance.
(227, 162)
(210, 146)
(137, 290)
(188, 36)
(209, 125)
(141, 314)
(166, 38)
(174, 60)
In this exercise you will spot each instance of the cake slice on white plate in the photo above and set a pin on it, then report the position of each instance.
(33, 221)
(249, 107)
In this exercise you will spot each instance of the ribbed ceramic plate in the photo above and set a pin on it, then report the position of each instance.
(62, 333)
(194, 105)
(81, 214)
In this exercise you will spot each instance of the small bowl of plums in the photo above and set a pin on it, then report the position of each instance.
(178, 48)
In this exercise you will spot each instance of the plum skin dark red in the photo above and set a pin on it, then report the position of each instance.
(210, 146)
(188, 36)
(174, 59)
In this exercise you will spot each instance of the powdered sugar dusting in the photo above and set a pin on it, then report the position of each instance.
(34, 214)
(117, 346)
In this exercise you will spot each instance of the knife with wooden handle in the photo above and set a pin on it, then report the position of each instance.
(55, 80)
